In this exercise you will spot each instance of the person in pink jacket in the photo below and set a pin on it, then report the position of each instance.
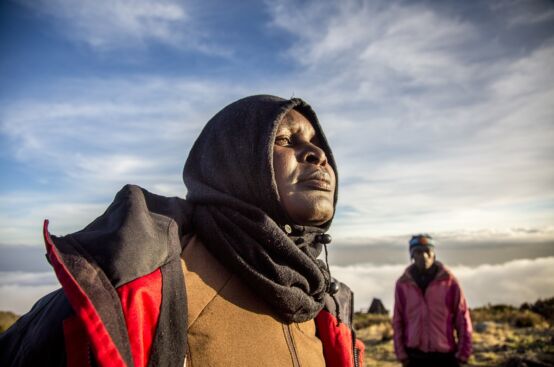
(432, 326)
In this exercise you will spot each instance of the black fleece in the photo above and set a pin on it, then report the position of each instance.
(237, 212)
(424, 277)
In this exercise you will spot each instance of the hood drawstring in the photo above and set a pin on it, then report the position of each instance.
(304, 240)
(333, 284)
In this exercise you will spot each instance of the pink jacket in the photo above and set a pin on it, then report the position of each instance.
(427, 321)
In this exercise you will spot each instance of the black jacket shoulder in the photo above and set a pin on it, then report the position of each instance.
(36, 339)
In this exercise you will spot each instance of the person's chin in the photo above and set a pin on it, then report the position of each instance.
(323, 210)
(318, 199)
(313, 212)
(317, 220)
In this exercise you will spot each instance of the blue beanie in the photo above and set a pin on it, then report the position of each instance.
(422, 240)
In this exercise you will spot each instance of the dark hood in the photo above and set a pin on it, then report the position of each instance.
(237, 212)
(233, 156)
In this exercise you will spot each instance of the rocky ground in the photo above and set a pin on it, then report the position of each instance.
(503, 336)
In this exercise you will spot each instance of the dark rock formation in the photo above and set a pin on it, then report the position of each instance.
(377, 307)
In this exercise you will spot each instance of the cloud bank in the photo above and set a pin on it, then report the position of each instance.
(512, 283)
(19, 291)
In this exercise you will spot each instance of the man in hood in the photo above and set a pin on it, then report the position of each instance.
(432, 326)
(229, 276)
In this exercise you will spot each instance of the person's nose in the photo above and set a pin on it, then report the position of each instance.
(313, 154)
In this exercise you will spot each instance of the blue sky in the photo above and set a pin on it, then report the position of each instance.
(440, 114)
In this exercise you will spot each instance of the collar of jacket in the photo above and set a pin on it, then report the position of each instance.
(138, 236)
(442, 274)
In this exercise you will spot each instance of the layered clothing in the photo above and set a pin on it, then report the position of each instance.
(431, 320)
(129, 291)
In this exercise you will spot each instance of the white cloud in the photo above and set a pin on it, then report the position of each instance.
(121, 24)
(431, 126)
(22, 216)
(533, 18)
(518, 13)
(528, 75)
(19, 291)
(511, 235)
(512, 283)
(373, 51)
(93, 136)
(105, 128)
(464, 238)
(102, 23)
(27, 279)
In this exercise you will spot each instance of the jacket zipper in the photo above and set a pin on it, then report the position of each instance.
(89, 355)
(355, 351)
(427, 315)
(426, 326)
(290, 344)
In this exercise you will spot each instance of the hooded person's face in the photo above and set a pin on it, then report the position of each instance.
(305, 180)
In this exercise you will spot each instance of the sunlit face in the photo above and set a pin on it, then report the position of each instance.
(424, 257)
(305, 180)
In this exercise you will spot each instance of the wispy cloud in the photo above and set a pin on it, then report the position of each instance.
(436, 124)
(524, 13)
(88, 138)
(378, 49)
(22, 215)
(533, 18)
(513, 282)
(106, 127)
(122, 24)
(431, 124)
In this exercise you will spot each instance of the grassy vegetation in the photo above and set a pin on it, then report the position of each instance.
(7, 319)
(363, 320)
(545, 308)
(504, 336)
(507, 314)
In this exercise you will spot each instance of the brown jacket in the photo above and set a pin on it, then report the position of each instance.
(228, 325)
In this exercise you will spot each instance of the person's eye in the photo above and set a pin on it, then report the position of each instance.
(283, 140)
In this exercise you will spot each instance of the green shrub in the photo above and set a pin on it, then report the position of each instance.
(544, 308)
(527, 319)
(363, 320)
(506, 314)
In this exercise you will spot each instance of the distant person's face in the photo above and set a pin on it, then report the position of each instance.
(305, 180)
(423, 258)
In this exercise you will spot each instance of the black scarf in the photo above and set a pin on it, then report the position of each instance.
(424, 277)
(230, 180)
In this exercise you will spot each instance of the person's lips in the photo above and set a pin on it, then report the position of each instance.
(318, 180)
